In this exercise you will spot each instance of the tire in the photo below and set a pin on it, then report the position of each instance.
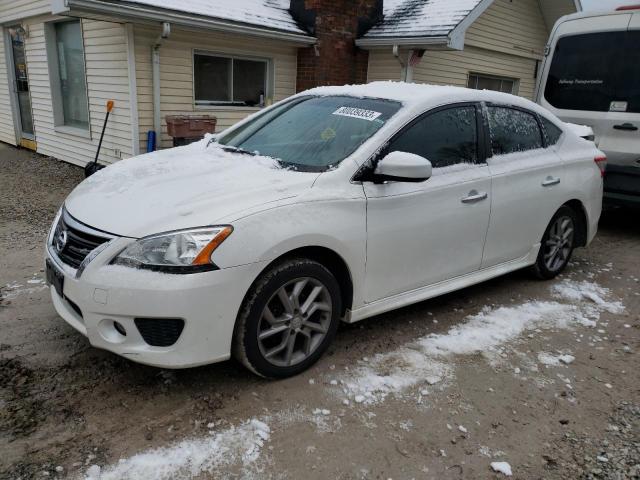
(267, 322)
(563, 227)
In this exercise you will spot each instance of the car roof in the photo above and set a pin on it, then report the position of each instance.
(423, 96)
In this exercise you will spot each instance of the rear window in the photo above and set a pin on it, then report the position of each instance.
(552, 132)
(513, 131)
(596, 72)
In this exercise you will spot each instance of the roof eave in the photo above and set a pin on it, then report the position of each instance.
(144, 14)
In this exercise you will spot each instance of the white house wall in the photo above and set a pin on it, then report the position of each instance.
(105, 46)
(176, 73)
(7, 130)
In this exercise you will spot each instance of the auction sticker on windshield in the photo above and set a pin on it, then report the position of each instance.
(357, 113)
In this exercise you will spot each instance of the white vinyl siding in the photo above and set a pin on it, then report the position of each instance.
(11, 10)
(176, 74)
(7, 130)
(517, 28)
(105, 46)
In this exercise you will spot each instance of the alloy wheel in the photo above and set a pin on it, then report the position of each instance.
(294, 322)
(559, 243)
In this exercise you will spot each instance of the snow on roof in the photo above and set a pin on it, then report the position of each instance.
(272, 14)
(421, 18)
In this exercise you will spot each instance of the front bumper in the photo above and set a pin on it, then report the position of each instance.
(208, 303)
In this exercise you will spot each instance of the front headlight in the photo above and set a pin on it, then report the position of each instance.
(183, 251)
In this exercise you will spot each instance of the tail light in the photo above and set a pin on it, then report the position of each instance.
(627, 7)
(601, 162)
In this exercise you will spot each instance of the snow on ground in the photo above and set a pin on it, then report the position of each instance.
(427, 361)
(236, 446)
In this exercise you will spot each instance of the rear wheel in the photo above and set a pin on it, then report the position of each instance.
(288, 319)
(557, 244)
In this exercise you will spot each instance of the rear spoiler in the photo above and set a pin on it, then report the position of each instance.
(583, 131)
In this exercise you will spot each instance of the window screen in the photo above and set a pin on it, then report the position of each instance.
(446, 137)
(591, 71)
(513, 130)
(229, 80)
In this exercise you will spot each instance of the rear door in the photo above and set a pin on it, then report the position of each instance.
(526, 183)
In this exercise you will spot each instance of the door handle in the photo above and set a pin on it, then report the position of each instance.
(630, 127)
(549, 181)
(474, 196)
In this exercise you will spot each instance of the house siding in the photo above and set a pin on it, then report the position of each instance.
(486, 50)
(11, 10)
(7, 131)
(105, 46)
(176, 74)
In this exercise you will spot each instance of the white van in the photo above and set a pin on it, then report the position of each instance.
(591, 76)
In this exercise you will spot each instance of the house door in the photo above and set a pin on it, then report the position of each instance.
(20, 88)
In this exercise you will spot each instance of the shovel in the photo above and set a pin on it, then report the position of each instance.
(93, 167)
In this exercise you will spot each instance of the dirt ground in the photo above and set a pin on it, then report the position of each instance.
(68, 410)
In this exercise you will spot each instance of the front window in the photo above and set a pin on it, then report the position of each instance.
(312, 133)
(226, 80)
(67, 69)
(596, 72)
(446, 137)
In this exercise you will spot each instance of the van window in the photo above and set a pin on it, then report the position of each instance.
(590, 71)
(513, 130)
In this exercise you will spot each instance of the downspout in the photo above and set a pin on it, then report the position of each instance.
(155, 76)
(406, 73)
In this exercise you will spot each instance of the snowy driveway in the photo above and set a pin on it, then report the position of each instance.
(540, 379)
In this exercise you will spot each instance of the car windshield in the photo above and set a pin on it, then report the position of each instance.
(312, 133)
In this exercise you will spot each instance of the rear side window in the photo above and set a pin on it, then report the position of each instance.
(513, 130)
(591, 71)
(445, 138)
(552, 132)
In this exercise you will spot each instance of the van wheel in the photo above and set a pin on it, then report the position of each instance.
(557, 244)
(288, 319)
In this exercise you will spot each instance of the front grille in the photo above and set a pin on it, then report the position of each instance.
(79, 240)
(160, 332)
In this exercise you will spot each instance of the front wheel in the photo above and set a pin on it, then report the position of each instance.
(557, 244)
(288, 319)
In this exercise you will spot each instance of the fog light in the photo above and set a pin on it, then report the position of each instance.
(120, 329)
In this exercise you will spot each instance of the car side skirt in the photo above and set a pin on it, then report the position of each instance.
(437, 289)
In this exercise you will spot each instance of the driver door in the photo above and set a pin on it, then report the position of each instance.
(419, 234)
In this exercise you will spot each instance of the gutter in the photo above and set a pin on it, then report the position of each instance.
(150, 15)
(155, 77)
(407, 42)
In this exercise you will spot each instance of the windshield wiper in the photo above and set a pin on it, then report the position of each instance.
(229, 148)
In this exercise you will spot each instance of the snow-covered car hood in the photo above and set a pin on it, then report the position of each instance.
(181, 187)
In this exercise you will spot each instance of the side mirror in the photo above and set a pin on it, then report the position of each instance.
(403, 167)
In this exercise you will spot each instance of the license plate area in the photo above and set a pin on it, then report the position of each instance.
(55, 277)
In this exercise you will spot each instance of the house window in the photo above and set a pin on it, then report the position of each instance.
(225, 80)
(65, 52)
(488, 82)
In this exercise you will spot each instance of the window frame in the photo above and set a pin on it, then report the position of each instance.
(535, 115)
(59, 124)
(545, 134)
(212, 104)
(516, 81)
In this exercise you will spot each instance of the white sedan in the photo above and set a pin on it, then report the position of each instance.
(339, 203)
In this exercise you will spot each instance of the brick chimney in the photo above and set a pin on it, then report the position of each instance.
(335, 59)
